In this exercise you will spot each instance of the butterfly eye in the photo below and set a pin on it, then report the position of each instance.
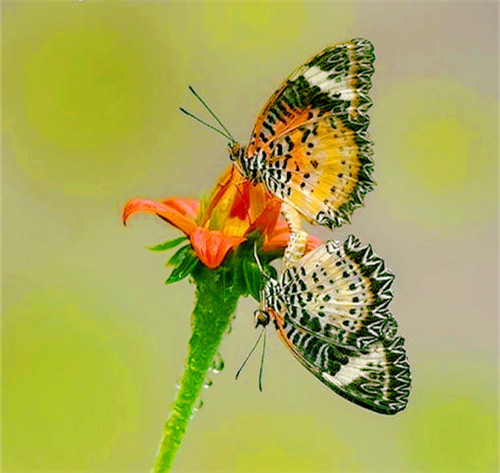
(261, 318)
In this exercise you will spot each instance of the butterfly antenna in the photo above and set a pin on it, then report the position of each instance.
(211, 113)
(250, 354)
(189, 114)
(262, 361)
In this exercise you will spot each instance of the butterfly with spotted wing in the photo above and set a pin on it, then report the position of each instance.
(330, 308)
(310, 144)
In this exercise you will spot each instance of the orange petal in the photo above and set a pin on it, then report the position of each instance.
(277, 242)
(212, 246)
(312, 243)
(267, 221)
(165, 210)
(241, 202)
(225, 184)
(187, 207)
(281, 236)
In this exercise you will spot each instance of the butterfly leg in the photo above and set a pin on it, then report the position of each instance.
(298, 237)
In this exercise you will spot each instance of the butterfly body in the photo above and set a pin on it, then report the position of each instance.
(331, 310)
(310, 145)
(250, 168)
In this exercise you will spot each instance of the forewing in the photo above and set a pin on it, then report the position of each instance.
(323, 169)
(378, 379)
(319, 118)
(339, 292)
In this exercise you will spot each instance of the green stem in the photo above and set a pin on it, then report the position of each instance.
(217, 294)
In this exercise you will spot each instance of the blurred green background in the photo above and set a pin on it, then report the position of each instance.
(93, 342)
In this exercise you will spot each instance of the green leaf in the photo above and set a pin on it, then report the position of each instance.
(179, 256)
(184, 268)
(168, 244)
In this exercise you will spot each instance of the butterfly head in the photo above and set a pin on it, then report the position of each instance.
(262, 317)
(236, 151)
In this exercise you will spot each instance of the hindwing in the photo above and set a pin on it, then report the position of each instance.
(378, 379)
(338, 292)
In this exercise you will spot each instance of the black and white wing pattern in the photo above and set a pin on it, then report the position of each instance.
(339, 292)
(331, 310)
(377, 378)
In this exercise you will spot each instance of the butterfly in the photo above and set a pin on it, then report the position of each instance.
(331, 310)
(310, 146)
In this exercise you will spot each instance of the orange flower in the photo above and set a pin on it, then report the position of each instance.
(236, 208)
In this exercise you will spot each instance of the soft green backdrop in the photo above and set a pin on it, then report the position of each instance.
(93, 342)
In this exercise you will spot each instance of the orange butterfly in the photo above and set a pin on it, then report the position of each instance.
(310, 146)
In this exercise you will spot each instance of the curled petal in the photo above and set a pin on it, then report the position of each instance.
(186, 207)
(212, 246)
(165, 210)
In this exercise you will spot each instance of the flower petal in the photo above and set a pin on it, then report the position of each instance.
(281, 236)
(242, 201)
(268, 219)
(313, 242)
(171, 210)
(277, 242)
(186, 207)
(212, 246)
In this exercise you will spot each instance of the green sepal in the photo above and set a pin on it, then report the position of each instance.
(252, 277)
(168, 244)
(185, 266)
(179, 256)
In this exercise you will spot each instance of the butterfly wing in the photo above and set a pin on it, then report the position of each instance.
(339, 293)
(378, 379)
(310, 142)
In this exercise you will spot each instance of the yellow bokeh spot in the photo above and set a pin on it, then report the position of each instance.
(85, 95)
(68, 386)
(311, 447)
(439, 150)
(454, 435)
(80, 88)
(273, 26)
(244, 22)
(436, 152)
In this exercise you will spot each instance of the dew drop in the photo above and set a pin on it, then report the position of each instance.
(207, 383)
(217, 364)
(197, 408)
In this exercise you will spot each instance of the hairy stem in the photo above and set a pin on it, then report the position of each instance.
(217, 294)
